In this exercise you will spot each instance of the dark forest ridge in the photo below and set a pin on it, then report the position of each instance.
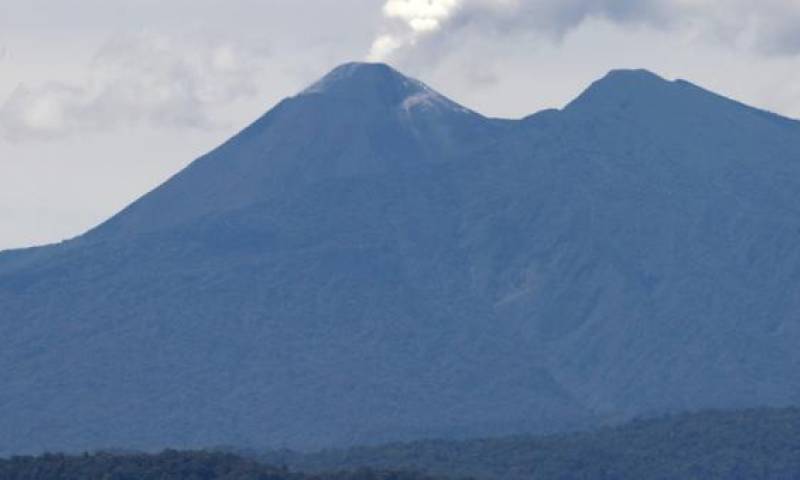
(170, 465)
(758, 444)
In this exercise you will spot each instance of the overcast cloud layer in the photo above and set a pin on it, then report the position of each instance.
(770, 26)
(136, 78)
(101, 100)
(172, 79)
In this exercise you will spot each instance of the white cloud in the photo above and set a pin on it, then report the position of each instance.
(383, 46)
(142, 78)
(770, 27)
(419, 17)
(41, 111)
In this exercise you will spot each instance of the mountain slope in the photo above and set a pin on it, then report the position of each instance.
(370, 261)
(358, 120)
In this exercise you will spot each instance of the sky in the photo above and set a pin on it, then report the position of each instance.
(102, 100)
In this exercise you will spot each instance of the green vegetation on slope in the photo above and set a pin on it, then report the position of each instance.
(755, 444)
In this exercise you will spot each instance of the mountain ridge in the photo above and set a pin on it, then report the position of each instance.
(326, 117)
(344, 272)
(350, 78)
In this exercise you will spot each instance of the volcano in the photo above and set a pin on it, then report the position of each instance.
(370, 261)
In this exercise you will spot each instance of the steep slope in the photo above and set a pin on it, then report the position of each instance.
(648, 235)
(274, 294)
(692, 223)
(370, 261)
(360, 119)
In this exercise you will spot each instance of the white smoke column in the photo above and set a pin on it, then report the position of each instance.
(419, 17)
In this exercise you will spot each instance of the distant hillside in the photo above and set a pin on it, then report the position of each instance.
(170, 465)
(759, 444)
